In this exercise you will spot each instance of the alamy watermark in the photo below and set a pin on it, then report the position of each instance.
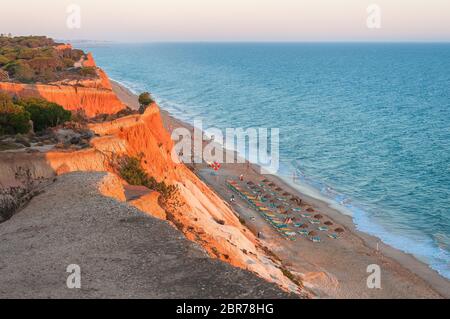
(73, 20)
(74, 279)
(374, 16)
(215, 146)
(374, 279)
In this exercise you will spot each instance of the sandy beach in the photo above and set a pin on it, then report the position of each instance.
(331, 268)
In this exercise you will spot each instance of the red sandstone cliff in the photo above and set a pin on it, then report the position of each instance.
(93, 101)
(203, 217)
(94, 96)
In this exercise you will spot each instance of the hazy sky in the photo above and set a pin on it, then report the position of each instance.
(230, 20)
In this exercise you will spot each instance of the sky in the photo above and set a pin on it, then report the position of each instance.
(230, 20)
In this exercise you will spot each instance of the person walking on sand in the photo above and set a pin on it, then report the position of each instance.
(232, 199)
(241, 177)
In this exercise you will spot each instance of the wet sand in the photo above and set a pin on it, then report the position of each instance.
(332, 268)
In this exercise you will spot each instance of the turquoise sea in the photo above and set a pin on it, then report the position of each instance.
(363, 125)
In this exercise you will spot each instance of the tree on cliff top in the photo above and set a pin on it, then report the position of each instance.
(13, 118)
(45, 114)
(145, 99)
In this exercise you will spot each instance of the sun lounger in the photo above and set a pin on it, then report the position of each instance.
(314, 222)
(333, 236)
(323, 228)
(315, 239)
(303, 232)
(291, 233)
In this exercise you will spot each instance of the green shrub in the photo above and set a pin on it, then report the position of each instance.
(41, 65)
(21, 71)
(3, 60)
(88, 71)
(13, 118)
(45, 114)
(145, 99)
(76, 54)
(68, 62)
(26, 53)
(130, 169)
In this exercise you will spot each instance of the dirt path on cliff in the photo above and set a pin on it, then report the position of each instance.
(122, 252)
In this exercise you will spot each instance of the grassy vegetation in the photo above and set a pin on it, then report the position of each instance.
(291, 277)
(35, 59)
(130, 169)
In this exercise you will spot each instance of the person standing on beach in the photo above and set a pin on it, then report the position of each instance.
(241, 177)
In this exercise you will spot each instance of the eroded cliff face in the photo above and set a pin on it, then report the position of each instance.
(93, 100)
(201, 215)
(94, 96)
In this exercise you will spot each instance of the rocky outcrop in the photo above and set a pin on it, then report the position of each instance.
(92, 100)
(89, 62)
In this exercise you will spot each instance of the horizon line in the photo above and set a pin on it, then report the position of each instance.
(260, 42)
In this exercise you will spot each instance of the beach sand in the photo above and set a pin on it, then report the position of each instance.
(333, 268)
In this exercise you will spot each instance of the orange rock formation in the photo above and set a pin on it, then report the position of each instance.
(92, 100)
(200, 214)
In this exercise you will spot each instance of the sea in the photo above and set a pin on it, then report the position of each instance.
(363, 126)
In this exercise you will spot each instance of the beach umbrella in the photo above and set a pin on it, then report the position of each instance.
(250, 183)
(215, 166)
(318, 216)
(304, 226)
(278, 189)
(312, 233)
(286, 194)
(310, 209)
(272, 184)
(328, 223)
(339, 230)
(265, 180)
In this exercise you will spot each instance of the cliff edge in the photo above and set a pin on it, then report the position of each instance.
(122, 252)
